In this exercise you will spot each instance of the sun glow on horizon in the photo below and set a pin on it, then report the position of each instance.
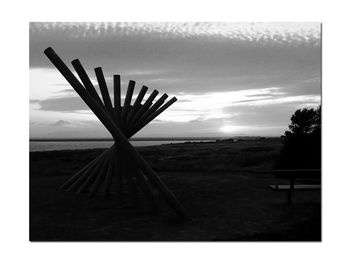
(228, 128)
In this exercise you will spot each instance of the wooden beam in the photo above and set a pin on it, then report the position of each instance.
(155, 106)
(127, 102)
(93, 175)
(137, 103)
(147, 113)
(75, 177)
(72, 179)
(99, 179)
(143, 109)
(129, 177)
(156, 113)
(108, 180)
(93, 169)
(104, 90)
(117, 105)
(118, 173)
(86, 80)
(145, 186)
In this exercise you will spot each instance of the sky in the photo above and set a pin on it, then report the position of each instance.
(230, 79)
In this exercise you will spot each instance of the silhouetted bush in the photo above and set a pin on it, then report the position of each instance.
(302, 142)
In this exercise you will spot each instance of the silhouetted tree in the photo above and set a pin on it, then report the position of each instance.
(302, 142)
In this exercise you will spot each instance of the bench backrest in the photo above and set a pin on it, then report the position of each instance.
(298, 173)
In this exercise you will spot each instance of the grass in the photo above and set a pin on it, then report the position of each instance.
(223, 185)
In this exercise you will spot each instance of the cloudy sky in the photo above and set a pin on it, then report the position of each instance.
(230, 78)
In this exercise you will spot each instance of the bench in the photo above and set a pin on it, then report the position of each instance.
(306, 181)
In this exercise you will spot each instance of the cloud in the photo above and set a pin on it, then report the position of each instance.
(215, 105)
(175, 57)
(201, 107)
(62, 123)
(71, 90)
(221, 73)
(61, 104)
(252, 32)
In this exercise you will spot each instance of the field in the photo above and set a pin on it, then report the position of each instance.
(223, 185)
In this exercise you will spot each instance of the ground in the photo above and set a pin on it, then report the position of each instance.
(222, 185)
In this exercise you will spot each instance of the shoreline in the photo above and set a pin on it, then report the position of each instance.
(151, 139)
(137, 143)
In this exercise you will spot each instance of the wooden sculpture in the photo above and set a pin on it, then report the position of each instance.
(120, 162)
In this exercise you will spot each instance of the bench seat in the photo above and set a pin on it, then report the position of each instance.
(302, 175)
(283, 187)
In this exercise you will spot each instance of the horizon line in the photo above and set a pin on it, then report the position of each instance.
(153, 138)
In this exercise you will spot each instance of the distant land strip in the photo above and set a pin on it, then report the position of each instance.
(145, 139)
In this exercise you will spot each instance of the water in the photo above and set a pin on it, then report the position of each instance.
(35, 146)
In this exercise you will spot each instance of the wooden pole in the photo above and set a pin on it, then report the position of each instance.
(159, 111)
(86, 80)
(127, 102)
(155, 106)
(93, 175)
(144, 116)
(107, 185)
(133, 189)
(145, 186)
(100, 178)
(155, 114)
(118, 136)
(81, 171)
(143, 108)
(127, 174)
(137, 103)
(93, 169)
(119, 176)
(75, 177)
(107, 174)
(104, 90)
(117, 105)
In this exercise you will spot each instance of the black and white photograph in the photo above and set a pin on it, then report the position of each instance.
(175, 131)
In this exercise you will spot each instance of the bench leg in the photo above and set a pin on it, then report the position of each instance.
(290, 190)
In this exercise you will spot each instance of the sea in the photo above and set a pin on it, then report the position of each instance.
(41, 146)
